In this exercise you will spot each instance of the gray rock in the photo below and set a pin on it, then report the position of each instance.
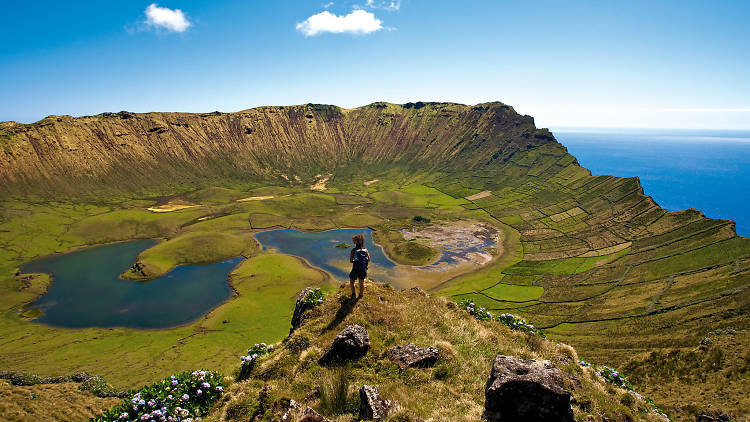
(410, 355)
(310, 415)
(352, 342)
(299, 309)
(714, 416)
(419, 290)
(526, 390)
(371, 405)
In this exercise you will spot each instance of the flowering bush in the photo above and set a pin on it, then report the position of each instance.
(510, 320)
(516, 323)
(183, 397)
(614, 377)
(248, 362)
(314, 297)
(478, 313)
(656, 408)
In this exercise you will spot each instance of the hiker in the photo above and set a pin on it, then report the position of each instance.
(359, 257)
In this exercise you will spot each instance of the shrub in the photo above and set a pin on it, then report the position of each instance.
(314, 298)
(20, 378)
(99, 387)
(512, 321)
(334, 394)
(518, 324)
(420, 219)
(627, 399)
(77, 377)
(248, 362)
(613, 377)
(297, 343)
(566, 353)
(478, 313)
(183, 397)
(535, 342)
(242, 410)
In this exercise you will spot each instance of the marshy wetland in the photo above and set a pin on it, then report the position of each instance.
(460, 247)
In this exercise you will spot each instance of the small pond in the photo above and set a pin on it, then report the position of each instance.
(87, 292)
(459, 254)
(320, 249)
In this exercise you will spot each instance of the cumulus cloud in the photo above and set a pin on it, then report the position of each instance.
(390, 6)
(172, 20)
(357, 22)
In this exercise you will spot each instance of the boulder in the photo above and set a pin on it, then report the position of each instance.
(310, 415)
(526, 390)
(420, 291)
(716, 416)
(371, 405)
(352, 342)
(299, 308)
(410, 355)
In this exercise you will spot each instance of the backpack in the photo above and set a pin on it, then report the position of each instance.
(360, 259)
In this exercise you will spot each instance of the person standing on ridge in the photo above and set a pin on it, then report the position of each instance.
(359, 257)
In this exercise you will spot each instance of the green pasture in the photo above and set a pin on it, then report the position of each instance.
(617, 299)
(193, 248)
(218, 228)
(260, 310)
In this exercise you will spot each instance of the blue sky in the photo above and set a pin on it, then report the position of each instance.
(674, 64)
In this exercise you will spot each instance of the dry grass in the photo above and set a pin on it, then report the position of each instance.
(49, 402)
(683, 380)
(452, 390)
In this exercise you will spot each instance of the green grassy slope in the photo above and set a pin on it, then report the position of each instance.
(452, 390)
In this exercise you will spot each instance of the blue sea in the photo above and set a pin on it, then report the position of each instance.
(705, 170)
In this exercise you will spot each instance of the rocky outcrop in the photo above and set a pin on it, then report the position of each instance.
(310, 415)
(299, 308)
(526, 390)
(409, 355)
(371, 405)
(352, 342)
(716, 416)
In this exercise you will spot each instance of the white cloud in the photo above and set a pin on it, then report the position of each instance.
(390, 6)
(357, 22)
(327, 5)
(172, 20)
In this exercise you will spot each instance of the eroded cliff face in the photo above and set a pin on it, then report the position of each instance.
(62, 155)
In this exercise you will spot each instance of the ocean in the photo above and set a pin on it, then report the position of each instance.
(679, 169)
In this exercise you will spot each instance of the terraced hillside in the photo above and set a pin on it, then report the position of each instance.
(591, 259)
